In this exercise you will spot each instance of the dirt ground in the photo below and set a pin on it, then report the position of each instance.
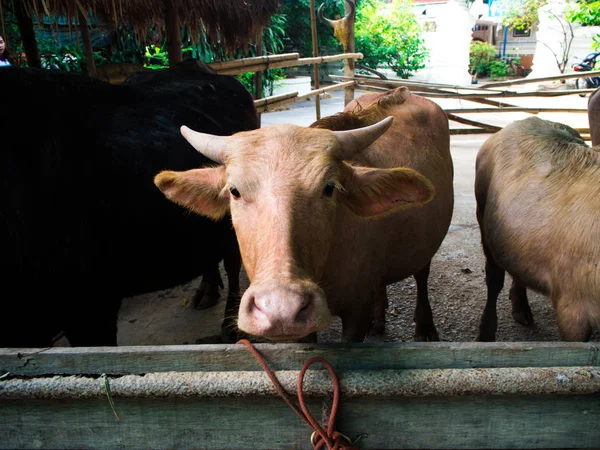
(456, 284)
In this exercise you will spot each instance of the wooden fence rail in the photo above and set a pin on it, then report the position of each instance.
(487, 94)
(477, 395)
(269, 103)
(288, 63)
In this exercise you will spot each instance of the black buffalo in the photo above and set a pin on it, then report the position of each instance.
(82, 224)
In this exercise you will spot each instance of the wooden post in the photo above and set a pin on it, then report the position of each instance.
(173, 34)
(349, 63)
(87, 45)
(315, 45)
(25, 23)
(258, 85)
(343, 30)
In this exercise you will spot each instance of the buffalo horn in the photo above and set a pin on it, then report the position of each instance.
(211, 146)
(330, 22)
(353, 141)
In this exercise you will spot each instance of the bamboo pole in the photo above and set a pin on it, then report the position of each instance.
(443, 93)
(349, 66)
(481, 125)
(507, 94)
(454, 131)
(291, 63)
(407, 83)
(564, 76)
(315, 48)
(274, 99)
(296, 97)
(497, 103)
(245, 62)
(514, 109)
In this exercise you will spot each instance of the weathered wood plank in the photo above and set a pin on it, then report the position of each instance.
(467, 422)
(488, 422)
(365, 356)
(154, 424)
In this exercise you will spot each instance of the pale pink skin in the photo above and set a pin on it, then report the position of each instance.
(310, 255)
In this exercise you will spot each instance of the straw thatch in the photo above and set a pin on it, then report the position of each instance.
(228, 23)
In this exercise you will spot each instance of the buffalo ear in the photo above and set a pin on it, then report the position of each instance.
(200, 190)
(372, 192)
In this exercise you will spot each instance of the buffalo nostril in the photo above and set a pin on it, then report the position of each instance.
(306, 308)
(255, 308)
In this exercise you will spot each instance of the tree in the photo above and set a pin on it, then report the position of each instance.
(587, 13)
(390, 35)
(568, 35)
(523, 14)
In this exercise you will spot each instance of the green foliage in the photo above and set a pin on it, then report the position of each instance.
(156, 57)
(13, 40)
(269, 78)
(498, 70)
(586, 13)
(523, 14)
(596, 43)
(481, 55)
(390, 35)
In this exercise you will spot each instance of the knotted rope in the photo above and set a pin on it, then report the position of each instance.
(320, 439)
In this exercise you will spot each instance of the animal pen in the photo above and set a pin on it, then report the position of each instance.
(436, 395)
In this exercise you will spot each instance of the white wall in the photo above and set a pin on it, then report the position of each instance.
(448, 42)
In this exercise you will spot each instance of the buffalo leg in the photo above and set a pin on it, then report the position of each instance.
(381, 304)
(355, 324)
(521, 311)
(207, 294)
(494, 278)
(22, 325)
(94, 325)
(424, 327)
(233, 265)
(573, 321)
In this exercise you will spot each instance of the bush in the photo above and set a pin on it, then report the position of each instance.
(498, 70)
(390, 37)
(481, 55)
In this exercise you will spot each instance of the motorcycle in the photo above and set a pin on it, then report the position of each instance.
(586, 65)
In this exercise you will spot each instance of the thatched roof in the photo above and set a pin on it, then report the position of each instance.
(230, 23)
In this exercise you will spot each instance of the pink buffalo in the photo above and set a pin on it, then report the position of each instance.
(327, 216)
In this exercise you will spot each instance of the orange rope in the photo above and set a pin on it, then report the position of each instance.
(332, 439)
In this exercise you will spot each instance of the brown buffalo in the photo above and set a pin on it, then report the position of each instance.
(537, 187)
(593, 113)
(326, 219)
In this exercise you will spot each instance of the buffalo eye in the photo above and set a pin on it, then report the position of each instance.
(328, 190)
(234, 192)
